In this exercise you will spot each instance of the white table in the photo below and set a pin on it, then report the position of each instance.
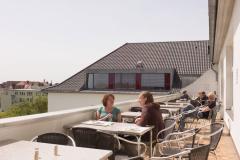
(172, 110)
(119, 128)
(182, 102)
(134, 115)
(25, 150)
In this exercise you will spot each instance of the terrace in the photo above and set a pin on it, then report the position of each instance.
(220, 54)
(27, 127)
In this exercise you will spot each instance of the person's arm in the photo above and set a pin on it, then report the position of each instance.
(119, 117)
(205, 109)
(142, 121)
(97, 115)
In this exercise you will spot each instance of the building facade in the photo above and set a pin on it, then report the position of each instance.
(225, 56)
(13, 96)
(159, 67)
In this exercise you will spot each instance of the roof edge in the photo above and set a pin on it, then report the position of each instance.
(46, 89)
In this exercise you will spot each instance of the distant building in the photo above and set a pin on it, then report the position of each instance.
(12, 92)
(160, 67)
(24, 85)
(12, 96)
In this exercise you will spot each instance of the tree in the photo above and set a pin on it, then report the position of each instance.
(39, 105)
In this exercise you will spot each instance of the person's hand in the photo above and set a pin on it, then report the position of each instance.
(110, 115)
(137, 120)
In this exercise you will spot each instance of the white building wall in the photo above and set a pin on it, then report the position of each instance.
(207, 82)
(62, 101)
(231, 103)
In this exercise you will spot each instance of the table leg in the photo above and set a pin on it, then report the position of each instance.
(150, 143)
(139, 146)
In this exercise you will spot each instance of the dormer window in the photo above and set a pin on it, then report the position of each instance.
(129, 81)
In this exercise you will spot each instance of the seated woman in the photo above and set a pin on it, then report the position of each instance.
(151, 114)
(198, 112)
(108, 112)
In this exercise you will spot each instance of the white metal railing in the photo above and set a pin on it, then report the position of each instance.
(26, 127)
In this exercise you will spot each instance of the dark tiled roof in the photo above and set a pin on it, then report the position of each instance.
(187, 57)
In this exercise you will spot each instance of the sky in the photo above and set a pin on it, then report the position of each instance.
(54, 39)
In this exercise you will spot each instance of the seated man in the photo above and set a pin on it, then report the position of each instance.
(198, 112)
(204, 98)
(185, 95)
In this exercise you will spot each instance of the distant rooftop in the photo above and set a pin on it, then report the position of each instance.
(187, 57)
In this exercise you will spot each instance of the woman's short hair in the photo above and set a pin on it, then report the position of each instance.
(211, 96)
(105, 99)
(148, 96)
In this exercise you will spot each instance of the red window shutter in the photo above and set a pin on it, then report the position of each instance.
(138, 80)
(111, 80)
(167, 81)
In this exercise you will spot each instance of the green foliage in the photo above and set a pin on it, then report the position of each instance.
(39, 105)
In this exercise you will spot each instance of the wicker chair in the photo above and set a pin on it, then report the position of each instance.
(135, 109)
(130, 150)
(136, 158)
(213, 133)
(108, 142)
(191, 119)
(200, 153)
(161, 103)
(169, 128)
(165, 111)
(173, 146)
(54, 138)
(189, 143)
(85, 137)
(177, 156)
(211, 118)
(173, 100)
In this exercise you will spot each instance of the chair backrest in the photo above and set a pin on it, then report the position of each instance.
(55, 138)
(165, 111)
(131, 148)
(172, 146)
(216, 131)
(108, 142)
(188, 136)
(169, 124)
(85, 137)
(173, 100)
(200, 153)
(136, 109)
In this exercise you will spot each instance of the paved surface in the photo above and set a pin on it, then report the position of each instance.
(226, 149)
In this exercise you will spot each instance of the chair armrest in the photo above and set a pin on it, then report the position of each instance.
(171, 156)
(204, 127)
(34, 139)
(179, 133)
(136, 158)
(132, 142)
(73, 142)
(165, 129)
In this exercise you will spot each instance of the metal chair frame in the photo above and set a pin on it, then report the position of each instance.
(70, 138)
(166, 129)
(202, 136)
(179, 143)
(134, 143)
